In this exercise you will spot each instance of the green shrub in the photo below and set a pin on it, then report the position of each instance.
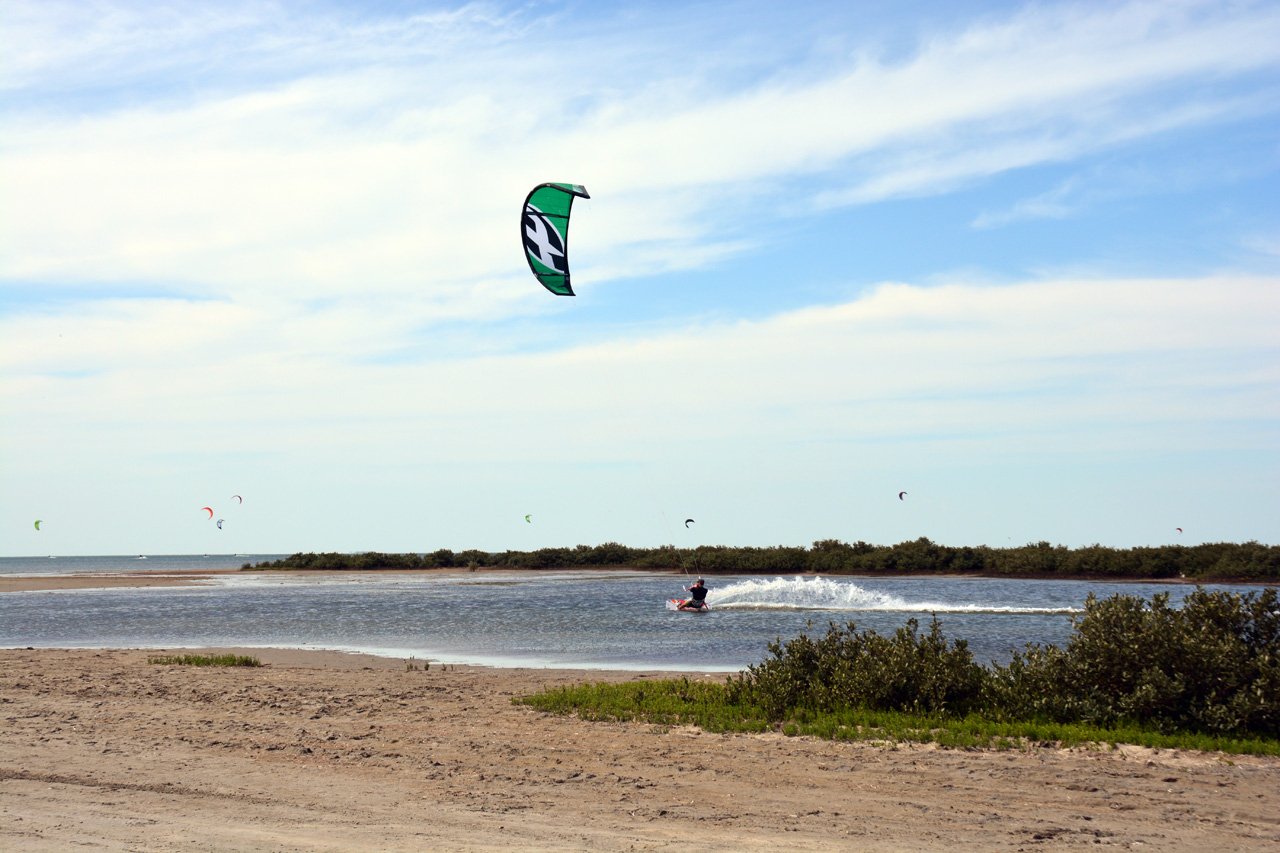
(1211, 665)
(912, 672)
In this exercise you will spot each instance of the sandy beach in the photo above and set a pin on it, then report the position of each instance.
(322, 751)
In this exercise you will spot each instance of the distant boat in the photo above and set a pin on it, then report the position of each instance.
(142, 556)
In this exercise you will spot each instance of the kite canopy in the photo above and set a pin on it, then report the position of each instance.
(208, 510)
(239, 499)
(900, 494)
(38, 520)
(688, 521)
(220, 523)
(544, 229)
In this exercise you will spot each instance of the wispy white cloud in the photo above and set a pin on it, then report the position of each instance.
(1069, 359)
(1054, 204)
(397, 176)
(905, 379)
(1267, 244)
(61, 47)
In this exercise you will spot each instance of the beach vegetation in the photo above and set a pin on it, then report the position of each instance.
(1211, 665)
(1205, 676)
(205, 660)
(910, 671)
(1220, 561)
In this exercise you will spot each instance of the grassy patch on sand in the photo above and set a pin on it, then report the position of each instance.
(680, 702)
(205, 660)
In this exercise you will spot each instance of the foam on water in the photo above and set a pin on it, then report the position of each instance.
(802, 593)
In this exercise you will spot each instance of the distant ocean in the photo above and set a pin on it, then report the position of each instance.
(583, 619)
(131, 563)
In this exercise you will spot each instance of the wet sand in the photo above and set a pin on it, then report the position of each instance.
(104, 580)
(321, 751)
(192, 577)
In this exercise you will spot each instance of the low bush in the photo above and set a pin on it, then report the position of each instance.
(910, 671)
(1211, 665)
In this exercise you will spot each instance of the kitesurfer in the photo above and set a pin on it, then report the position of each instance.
(698, 596)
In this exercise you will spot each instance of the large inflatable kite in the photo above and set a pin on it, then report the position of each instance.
(544, 228)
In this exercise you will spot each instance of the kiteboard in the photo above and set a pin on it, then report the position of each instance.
(674, 604)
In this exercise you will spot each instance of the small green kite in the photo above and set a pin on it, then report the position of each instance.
(544, 229)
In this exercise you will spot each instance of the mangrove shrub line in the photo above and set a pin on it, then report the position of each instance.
(1249, 561)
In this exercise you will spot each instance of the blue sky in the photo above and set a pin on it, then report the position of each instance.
(1021, 261)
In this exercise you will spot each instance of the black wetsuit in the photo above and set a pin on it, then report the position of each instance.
(699, 598)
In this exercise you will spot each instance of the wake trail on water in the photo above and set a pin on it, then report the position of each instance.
(826, 594)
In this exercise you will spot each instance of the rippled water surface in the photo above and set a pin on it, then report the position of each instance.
(585, 619)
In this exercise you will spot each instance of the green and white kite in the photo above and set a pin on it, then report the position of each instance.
(544, 228)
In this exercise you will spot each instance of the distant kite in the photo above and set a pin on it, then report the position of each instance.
(208, 510)
(688, 521)
(1179, 529)
(239, 499)
(220, 523)
(900, 494)
(38, 524)
(527, 517)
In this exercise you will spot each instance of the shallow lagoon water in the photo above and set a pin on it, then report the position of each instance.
(585, 619)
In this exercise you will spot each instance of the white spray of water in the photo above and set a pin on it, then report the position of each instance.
(825, 594)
